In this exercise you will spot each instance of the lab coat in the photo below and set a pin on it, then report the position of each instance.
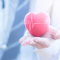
(7, 15)
(52, 8)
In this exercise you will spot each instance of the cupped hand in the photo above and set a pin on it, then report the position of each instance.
(43, 41)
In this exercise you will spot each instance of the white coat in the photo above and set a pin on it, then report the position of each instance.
(52, 8)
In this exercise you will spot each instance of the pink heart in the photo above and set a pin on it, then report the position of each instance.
(37, 24)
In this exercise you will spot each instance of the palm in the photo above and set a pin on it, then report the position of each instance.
(43, 41)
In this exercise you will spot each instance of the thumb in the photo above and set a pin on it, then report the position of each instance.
(55, 32)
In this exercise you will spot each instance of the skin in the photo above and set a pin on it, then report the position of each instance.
(43, 41)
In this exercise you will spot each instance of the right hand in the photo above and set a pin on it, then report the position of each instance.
(41, 42)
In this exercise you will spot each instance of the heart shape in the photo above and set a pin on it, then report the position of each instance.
(37, 24)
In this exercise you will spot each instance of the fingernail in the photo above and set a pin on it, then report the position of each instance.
(20, 41)
(24, 44)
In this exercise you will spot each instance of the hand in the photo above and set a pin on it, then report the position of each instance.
(43, 41)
